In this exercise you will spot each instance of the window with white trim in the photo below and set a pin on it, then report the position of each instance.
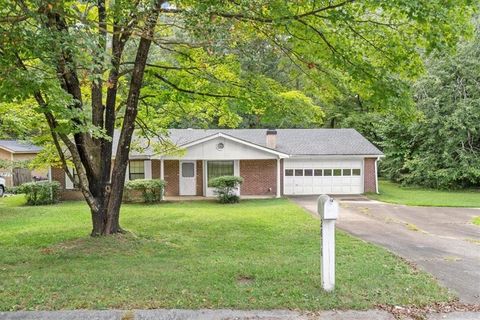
(219, 168)
(136, 169)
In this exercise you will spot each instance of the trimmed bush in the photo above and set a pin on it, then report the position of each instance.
(150, 189)
(39, 193)
(225, 187)
(14, 190)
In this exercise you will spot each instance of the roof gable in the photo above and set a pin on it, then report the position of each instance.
(232, 138)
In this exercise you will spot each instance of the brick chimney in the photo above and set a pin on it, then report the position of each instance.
(271, 138)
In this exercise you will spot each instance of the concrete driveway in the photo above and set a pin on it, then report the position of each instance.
(440, 240)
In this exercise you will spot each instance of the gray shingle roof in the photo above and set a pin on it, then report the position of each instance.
(289, 141)
(19, 146)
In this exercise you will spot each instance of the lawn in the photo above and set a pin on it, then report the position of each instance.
(394, 193)
(476, 220)
(260, 254)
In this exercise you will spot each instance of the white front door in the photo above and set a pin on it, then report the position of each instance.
(188, 178)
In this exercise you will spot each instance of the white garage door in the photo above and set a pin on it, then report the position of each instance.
(323, 176)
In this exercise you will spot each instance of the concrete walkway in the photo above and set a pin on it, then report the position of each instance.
(442, 241)
(164, 314)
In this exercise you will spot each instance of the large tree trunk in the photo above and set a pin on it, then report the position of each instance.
(103, 221)
(106, 216)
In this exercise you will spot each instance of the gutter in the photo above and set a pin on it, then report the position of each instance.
(376, 175)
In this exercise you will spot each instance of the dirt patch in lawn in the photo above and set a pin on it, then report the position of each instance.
(244, 280)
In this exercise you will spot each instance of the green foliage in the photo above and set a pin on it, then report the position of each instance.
(225, 187)
(441, 149)
(9, 164)
(40, 193)
(151, 189)
(15, 190)
(19, 120)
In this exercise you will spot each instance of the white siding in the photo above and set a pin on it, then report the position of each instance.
(68, 182)
(232, 151)
(148, 169)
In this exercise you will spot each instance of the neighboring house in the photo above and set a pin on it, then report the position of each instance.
(15, 150)
(271, 162)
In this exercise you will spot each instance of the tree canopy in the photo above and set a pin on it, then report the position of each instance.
(441, 147)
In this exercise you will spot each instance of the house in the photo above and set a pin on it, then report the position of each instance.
(12, 151)
(271, 162)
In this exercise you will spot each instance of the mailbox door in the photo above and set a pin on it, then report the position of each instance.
(331, 210)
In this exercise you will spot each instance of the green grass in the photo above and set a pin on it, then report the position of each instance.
(260, 254)
(476, 220)
(394, 193)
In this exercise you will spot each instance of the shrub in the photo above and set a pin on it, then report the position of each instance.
(225, 187)
(38, 193)
(14, 190)
(151, 189)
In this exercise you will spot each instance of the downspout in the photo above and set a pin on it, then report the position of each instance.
(376, 175)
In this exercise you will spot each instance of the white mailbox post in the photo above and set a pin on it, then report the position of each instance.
(328, 211)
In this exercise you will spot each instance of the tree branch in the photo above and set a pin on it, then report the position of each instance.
(174, 86)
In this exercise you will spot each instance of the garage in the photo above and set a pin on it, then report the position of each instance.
(332, 176)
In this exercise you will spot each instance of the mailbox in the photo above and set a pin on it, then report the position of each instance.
(328, 211)
(327, 208)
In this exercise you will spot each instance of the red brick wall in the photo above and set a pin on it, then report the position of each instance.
(155, 169)
(199, 178)
(59, 175)
(259, 177)
(369, 177)
(171, 176)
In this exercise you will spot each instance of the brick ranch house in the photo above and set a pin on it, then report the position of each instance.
(271, 162)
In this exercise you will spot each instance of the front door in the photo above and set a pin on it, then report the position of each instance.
(188, 181)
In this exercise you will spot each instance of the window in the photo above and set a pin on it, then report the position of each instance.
(188, 169)
(327, 172)
(298, 172)
(308, 172)
(288, 172)
(136, 170)
(347, 172)
(219, 168)
(337, 172)
(356, 172)
(317, 172)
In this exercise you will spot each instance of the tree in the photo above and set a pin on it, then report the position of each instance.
(84, 63)
(441, 147)
(20, 121)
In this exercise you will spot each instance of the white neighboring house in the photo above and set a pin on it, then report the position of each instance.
(272, 162)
